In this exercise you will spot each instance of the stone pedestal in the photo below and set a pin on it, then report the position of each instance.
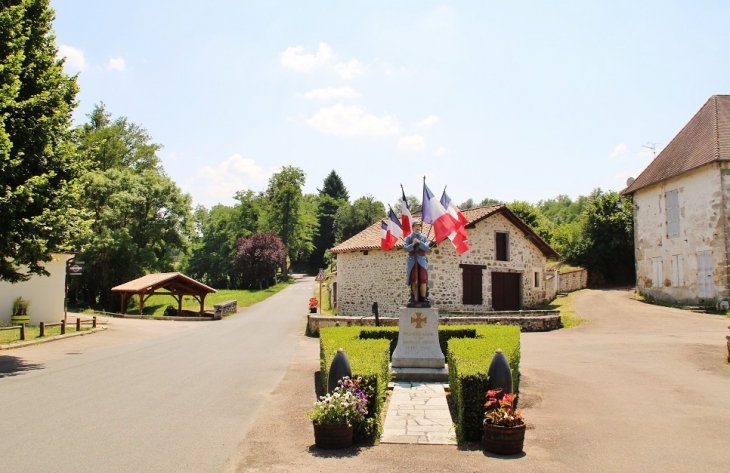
(418, 340)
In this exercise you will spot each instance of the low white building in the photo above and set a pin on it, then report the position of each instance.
(504, 270)
(682, 212)
(45, 293)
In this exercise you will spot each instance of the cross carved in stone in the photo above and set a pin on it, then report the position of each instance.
(419, 320)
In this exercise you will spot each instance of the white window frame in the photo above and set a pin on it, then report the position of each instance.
(672, 211)
(677, 270)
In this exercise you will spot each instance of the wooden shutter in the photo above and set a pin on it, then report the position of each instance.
(500, 247)
(472, 284)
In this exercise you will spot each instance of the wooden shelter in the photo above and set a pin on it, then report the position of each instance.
(176, 285)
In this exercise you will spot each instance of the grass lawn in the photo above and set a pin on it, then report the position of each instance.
(156, 305)
(325, 306)
(565, 305)
(33, 331)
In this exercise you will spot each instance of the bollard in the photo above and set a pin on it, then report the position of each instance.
(339, 368)
(63, 327)
(93, 325)
(375, 313)
(78, 324)
(43, 329)
(22, 331)
(499, 374)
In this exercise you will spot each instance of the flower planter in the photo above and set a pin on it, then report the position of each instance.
(20, 319)
(332, 436)
(503, 440)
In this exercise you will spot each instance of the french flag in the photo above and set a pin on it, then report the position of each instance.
(405, 215)
(394, 227)
(387, 241)
(460, 238)
(435, 214)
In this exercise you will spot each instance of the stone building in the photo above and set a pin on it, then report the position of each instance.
(682, 212)
(504, 270)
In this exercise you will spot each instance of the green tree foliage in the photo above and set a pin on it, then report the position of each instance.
(352, 219)
(532, 216)
(486, 202)
(38, 166)
(257, 258)
(141, 218)
(607, 243)
(332, 195)
(562, 209)
(289, 214)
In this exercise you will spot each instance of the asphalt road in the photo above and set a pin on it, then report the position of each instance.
(177, 402)
(639, 388)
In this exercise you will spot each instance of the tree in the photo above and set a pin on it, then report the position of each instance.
(38, 166)
(283, 213)
(141, 218)
(352, 219)
(257, 259)
(531, 215)
(331, 197)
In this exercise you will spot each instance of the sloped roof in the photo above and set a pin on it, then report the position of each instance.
(706, 138)
(173, 282)
(369, 239)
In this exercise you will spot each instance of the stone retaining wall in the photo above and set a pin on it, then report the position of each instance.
(573, 280)
(225, 308)
(529, 321)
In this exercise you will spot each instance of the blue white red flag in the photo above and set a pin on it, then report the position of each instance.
(394, 225)
(387, 241)
(460, 238)
(405, 215)
(435, 214)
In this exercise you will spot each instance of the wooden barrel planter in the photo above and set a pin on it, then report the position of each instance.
(332, 436)
(504, 440)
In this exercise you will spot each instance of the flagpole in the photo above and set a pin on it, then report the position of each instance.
(422, 220)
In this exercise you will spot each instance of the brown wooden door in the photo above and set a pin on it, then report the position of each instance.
(505, 291)
(472, 283)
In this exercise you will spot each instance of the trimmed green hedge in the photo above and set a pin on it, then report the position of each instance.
(469, 350)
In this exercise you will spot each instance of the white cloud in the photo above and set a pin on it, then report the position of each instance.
(74, 57)
(116, 64)
(221, 182)
(442, 151)
(412, 143)
(428, 121)
(294, 58)
(349, 70)
(350, 120)
(619, 151)
(331, 93)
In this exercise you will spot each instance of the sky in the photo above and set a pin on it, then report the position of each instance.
(505, 100)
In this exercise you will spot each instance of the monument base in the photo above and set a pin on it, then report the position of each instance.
(418, 340)
(440, 375)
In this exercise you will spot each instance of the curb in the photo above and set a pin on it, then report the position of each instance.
(50, 339)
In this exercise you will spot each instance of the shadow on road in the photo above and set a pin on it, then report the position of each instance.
(13, 366)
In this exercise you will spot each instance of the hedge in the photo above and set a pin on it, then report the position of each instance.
(469, 350)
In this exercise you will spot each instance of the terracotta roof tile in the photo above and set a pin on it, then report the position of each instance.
(706, 138)
(369, 239)
(159, 280)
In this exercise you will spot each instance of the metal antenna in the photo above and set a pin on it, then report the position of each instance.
(651, 146)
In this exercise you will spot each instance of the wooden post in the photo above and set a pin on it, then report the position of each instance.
(78, 324)
(43, 329)
(63, 327)
(94, 324)
(22, 331)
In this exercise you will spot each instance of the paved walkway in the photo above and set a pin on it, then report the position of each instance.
(418, 413)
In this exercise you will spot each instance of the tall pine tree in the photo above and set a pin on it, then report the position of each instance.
(331, 197)
(38, 167)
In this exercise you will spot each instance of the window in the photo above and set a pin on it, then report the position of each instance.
(656, 272)
(677, 271)
(501, 245)
(705, 279)
(537, 279)
(672, 198)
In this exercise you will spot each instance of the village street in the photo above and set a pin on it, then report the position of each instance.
(146, 395)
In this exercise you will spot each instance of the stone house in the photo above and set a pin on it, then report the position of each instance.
(504, 270)
(682, 212)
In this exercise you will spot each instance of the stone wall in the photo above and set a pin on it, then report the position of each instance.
(529, 321)
(573, 280)
(702, 227)
(371, 276)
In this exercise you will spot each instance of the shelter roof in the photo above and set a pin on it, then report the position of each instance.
(369, 239)
(705, 139)
(173, 282)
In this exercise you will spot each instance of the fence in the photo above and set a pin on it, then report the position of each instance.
(43, 326)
